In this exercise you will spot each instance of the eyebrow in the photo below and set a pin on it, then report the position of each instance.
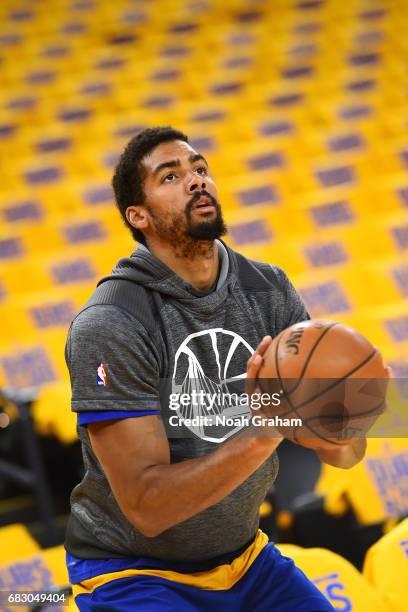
(197, 157)
(174, 163)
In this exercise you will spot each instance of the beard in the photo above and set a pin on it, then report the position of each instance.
(190, 238)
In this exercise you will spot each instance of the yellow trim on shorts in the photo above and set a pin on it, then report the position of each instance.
(217, 579)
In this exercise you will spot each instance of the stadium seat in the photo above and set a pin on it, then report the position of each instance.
(386, 567)
(375, 489)
(16, 541)
(384, 325)
(34, 360)
(300, 109)
(36, 571)
(28, 315)
(63, 268)
(336, 578)
(52, 412)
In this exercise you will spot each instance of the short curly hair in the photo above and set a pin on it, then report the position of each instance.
(129, 173)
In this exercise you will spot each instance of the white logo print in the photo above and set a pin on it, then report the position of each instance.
(207, 395)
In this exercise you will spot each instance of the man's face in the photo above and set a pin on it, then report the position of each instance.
(180, 196)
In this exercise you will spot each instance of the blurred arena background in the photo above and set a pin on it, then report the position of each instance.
(301, 109)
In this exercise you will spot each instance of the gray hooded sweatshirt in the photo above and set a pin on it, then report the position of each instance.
(145, 336)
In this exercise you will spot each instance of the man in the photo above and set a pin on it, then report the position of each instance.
(166, 516)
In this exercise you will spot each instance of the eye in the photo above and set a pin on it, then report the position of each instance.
(201, 170)
(169, 178)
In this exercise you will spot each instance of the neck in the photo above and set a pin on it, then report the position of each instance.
(197, 264)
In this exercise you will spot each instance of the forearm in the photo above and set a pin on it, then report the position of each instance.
(170, 494)
(344, 456)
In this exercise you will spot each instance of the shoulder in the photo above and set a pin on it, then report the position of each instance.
(107, 329)
(100, 318)
(116, 303)
(257, 276)
(260, 276)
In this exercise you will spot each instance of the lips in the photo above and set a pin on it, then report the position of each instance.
(203, 202)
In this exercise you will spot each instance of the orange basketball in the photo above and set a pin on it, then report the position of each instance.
(329, 377)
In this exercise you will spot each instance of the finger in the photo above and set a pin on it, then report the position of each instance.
(263, 345)
(255, 362)
(254, 365)
(389, 371)
(259, 352)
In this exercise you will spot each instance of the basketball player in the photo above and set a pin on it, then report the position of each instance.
(166, 516)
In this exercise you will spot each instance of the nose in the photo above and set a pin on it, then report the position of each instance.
(195, 183)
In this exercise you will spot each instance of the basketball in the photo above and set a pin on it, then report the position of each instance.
(330, 377)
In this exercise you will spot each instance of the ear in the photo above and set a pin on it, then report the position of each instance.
(137, 216)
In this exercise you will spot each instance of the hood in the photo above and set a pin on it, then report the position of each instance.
(145, 269)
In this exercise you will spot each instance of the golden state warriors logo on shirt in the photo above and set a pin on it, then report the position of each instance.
(208, 403)
(101, 375)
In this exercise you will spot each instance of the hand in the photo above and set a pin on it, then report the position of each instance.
(254, 365)
(318, 445)
(344, 456)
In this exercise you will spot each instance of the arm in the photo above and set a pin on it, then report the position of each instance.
(344, 456)
(154, 494)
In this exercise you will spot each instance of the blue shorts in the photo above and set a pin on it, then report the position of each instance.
(260, 579)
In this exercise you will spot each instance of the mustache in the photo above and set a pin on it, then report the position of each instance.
(197, 195)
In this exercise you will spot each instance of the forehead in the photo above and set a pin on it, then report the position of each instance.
(167, 151)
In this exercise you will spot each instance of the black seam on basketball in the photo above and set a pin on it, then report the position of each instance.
(337, 381)
(309, 357)
(296, 408)
(305, 423)
(355, 415)
(285, 394)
